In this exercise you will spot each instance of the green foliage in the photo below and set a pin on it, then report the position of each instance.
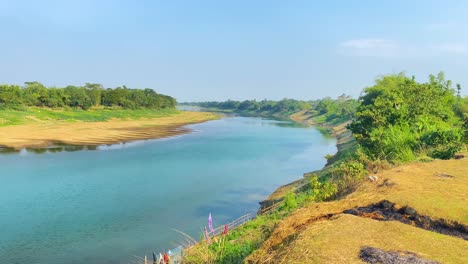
(461, 109)
(394, 142)
(347, 175)
(397, 112)
(317, 190)
(266, 107)
(231, 253)
(320, 191)
(335, 111)
(238, 244)
(289, 202)
(444, 143)
(371, 165)
(325, 110)
(85, 97)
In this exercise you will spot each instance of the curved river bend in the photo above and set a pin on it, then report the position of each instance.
(110, 204)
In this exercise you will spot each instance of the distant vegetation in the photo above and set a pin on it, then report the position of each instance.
(253, 106)
(340, 109)
(34, 94)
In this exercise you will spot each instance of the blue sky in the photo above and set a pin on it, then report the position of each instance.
(218, 50)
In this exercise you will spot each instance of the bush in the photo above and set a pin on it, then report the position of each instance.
(442, 144)
(397, 111)
(347, 176)
(321, 191)
(370, 164)
(289, 202)
(227, 252)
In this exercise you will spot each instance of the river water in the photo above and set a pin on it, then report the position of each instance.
(111, 204)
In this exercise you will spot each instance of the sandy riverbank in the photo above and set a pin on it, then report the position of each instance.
(45, 133)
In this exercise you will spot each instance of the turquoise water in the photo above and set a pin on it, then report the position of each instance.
(117, 202)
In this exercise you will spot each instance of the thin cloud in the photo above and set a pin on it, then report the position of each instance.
(371, 47)
(456, 48)
(444, 26)
(385, 48)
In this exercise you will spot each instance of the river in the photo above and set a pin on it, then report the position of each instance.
(111, 204)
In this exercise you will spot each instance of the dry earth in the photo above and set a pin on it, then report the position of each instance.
(45, 133)
(433, 192)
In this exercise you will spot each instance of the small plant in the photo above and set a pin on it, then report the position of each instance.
(328, 156)
(347, 176)
(289, 202)
(321, 191)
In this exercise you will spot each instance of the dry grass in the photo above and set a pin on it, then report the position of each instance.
(340, 239)
(435, 196)
(45, 132)
(305, 235)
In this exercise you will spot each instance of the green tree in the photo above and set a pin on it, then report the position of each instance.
(78, 97)
(94, 92)
(35, 94)
(397, 111)
(10, 96)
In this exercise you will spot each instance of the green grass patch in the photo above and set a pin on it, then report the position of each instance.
(35, 114)
(238, 244)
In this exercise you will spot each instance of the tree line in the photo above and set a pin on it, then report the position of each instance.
(84, 97)
(343, 107)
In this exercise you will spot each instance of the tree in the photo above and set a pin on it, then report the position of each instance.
(10, 96)
(78, 97)
(397, 112)
(94, 92)
(35, 94)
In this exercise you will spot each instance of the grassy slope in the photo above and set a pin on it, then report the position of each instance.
(340, 239)
(345, 144)
(303, 237)
(34, 114)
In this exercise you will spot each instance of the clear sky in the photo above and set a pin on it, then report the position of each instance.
(243, 49)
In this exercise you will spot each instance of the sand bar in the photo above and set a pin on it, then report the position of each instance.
(46, 133)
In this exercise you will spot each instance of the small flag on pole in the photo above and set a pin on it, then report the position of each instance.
(207, 236)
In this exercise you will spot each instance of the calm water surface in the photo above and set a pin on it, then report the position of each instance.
(110, 204)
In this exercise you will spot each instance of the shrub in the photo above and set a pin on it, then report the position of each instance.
(347, 175)
(321, 191)
(442, 144)
(289, 202)
(397, 110)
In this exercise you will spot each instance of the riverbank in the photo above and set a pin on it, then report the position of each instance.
(40, 133)
(344, 143)
(255, 232)
(399, 214)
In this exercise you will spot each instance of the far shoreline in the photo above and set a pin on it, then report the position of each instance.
(89, 135)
